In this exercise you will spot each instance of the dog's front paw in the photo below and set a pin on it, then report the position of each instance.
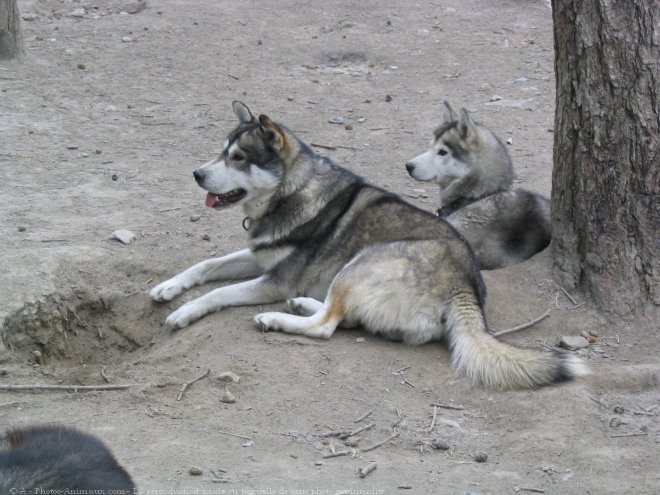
(167, 290)
(267, 322)
(184, 316)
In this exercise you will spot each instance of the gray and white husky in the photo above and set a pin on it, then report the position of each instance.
(474, 172)
(345, 253)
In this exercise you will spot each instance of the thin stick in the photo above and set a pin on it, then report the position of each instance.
(364, 472)
(435, 415)
(533, 490)
(449, 406)
(336, 454)
(316, 145)
(570, 298)
(70, 388)
(359, 430)
(524, 325)
(629, 435)
(233, 435)
(401, 370)
(343, 434)
(376, 445)
(104, 376)
(364, 416)
(643, 413)
(185, 386)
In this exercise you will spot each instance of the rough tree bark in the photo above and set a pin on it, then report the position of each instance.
(605, 181)
(11, 39)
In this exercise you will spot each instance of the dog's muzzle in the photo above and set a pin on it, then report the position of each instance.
(199, 176)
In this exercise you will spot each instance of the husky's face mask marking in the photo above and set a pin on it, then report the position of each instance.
(443, 161)
(249, 168)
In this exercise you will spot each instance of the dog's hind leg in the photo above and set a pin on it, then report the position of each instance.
(307, 306)
(320, 325)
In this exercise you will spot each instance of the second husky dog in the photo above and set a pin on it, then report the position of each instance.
(58, 459)
(475, 174)
(317, 230)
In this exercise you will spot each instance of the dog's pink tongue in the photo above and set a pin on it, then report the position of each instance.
(211, 200)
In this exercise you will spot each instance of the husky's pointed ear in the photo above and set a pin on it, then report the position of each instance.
(272, 134)
(466, 126)
(448, 114)
(242, 112)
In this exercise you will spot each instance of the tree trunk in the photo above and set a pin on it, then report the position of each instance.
(605, 181)
(11, 40)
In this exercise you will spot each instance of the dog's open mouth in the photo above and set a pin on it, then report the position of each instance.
(220, 200)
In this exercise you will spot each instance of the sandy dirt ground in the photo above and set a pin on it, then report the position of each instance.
(101, 125)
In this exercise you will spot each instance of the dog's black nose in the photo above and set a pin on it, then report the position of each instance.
(199, 176)
(410, 167)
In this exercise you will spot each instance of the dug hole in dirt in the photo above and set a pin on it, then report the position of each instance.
(102, 124)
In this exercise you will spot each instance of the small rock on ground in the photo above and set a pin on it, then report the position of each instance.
(124, 236)
(573, 343)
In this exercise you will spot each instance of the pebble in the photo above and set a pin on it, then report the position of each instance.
(127, 39)
(495, 98)
(37, 356)
(194, 218)
(360, 340)
(206, 237)
(29, 17)
(124, 236)
(573, 343)
(77, 13)
(438, 444)
(22, 228)
(115, 177)
(228, 377)
(388, 98)
(196, 470)
(227, 397)
(481, 457)
(71, 146)
(509, 141)
(348, 127)
(81, 66)
(336, 120)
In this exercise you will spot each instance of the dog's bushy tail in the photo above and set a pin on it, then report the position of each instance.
(496, 365)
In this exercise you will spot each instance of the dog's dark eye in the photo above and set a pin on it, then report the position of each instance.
(442, 152)
(237, 157)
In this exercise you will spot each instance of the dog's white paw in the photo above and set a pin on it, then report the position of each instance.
(168, 290)
(184, 316)
(303, 306)
(268, 322)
